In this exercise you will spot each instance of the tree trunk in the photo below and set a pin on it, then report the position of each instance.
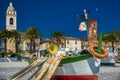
(81, 44)
(5, 48)
(34, 46)
(16, 46)
(31, 46)
(112, 46)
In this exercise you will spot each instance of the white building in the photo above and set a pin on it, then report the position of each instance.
(73, 43)
(69, 42)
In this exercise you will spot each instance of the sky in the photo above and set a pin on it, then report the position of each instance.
(60, 15)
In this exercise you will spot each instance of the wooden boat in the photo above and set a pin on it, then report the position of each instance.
(79, 67)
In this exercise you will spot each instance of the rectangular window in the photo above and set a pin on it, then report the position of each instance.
(76, 42)
(67, 41)
(76, 48)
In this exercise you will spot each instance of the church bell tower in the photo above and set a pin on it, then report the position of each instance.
(11, 25)
(11, 18)
(92, 31)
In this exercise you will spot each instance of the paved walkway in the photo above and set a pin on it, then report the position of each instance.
(109, 72)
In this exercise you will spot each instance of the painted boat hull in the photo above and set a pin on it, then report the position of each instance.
(109, 61)
(75, 77)
(87, 69)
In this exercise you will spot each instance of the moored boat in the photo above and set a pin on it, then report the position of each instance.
(85, 66)
(80, 67)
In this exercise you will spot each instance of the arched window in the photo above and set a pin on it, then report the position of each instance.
(11, 21)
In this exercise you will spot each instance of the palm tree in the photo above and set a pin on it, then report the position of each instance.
(58, 38)
(15, 35)
(32, 34)
(112, 37)
(82, 42)
(117, 33)
(5, 35)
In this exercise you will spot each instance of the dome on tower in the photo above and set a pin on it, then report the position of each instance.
(11, 8)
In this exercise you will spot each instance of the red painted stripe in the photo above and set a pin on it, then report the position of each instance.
(75, 77)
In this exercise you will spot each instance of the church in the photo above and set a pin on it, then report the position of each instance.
(11, 24)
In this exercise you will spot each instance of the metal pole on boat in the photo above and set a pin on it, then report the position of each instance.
(99, 43)
(85, 18)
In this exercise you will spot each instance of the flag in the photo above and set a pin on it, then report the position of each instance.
(83, 26)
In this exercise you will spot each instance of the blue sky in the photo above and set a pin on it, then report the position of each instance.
(60, 15)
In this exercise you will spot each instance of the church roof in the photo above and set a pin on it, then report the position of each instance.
(71, 38)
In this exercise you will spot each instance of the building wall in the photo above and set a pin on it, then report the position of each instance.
(10, 45)
(25, 46)
(44, 45)
(73, 44)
